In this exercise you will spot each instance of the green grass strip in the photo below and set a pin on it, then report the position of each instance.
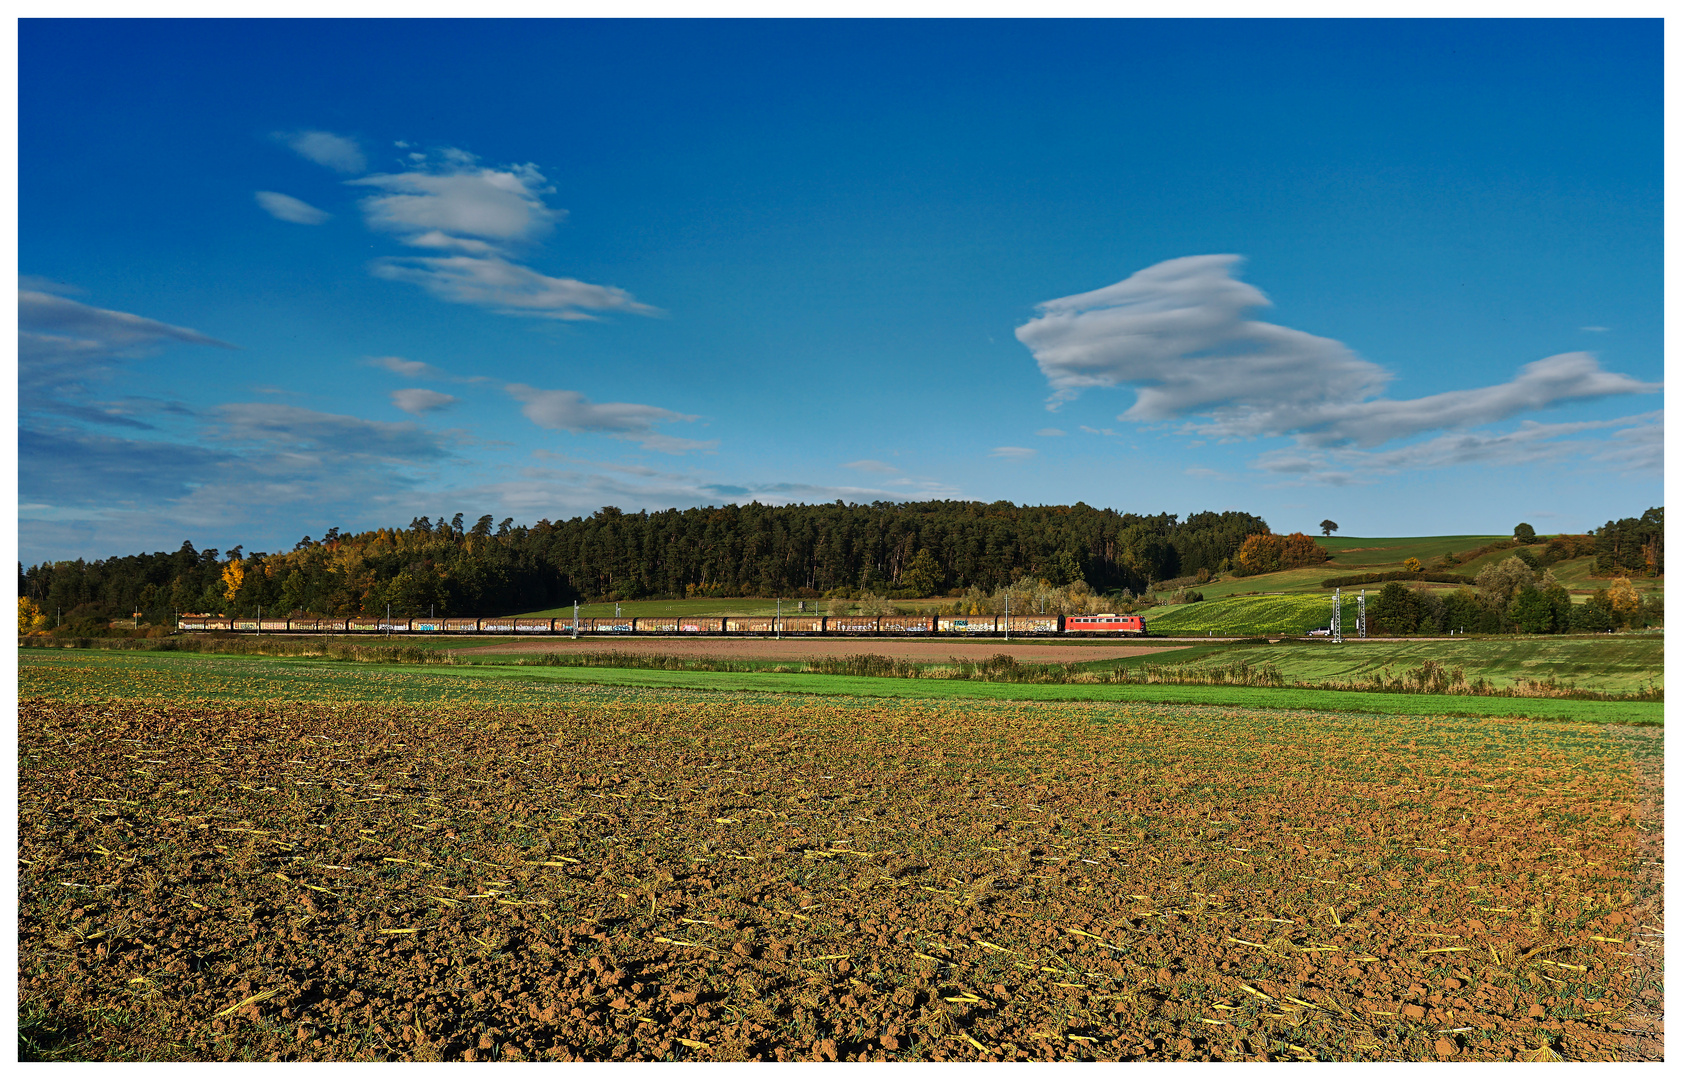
(1601, 712)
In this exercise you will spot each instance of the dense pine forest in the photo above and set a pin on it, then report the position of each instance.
(448, 567)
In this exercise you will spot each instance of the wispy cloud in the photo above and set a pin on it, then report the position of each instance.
(480, 219)
(870, 466)
(506, 287)
(569, 410)
(410, 369)
(286, 208)
(67, 467)
(337, 152)
(418, 402)
(1636, 443)
(1013, 453)
(1177, 333)
(1595, 329)
(64, 345)
(299, 430)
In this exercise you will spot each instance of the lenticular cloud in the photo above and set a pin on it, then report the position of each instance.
(1178, 334)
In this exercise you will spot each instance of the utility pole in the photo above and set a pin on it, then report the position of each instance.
(388, 622)
(1007, 616)
(1337, 615)
(260, 619)
(575, 620)
(1361, 614)
(779, 618)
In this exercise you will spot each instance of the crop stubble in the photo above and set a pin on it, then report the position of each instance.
(647, 875)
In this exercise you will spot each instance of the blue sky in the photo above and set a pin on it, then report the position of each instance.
(282, 276)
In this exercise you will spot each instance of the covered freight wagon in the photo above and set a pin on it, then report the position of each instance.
(205, 622)
(967, 624)
(907, 624)
(750, 624)
(704, 624)
(461, 626)
(851, 624)
(802, 624)
(1030, 624)
(666, 624)
(533, 626)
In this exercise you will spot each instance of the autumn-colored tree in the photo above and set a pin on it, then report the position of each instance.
(233, 576)
(1301, 550)
(1625, 600)
(1412, 566)
(30, 618)
(1261, 553)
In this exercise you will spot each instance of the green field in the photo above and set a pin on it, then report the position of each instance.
(1243, 616)
(1389, 552)
(77, 675)
(1611, 664)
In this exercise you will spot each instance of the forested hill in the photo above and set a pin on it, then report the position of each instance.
(912, 549)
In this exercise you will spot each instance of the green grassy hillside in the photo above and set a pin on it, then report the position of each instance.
(1244, 616)
(1617, 664)
(1388, 553)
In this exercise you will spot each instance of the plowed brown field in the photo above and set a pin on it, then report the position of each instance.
(1028, 651)
(659, 875)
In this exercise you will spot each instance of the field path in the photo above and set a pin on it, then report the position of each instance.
(1028, 651)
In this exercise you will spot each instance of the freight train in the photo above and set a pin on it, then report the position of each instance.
(1105, 625)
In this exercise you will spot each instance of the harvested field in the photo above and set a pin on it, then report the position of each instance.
(1026, 650)
(634, 874)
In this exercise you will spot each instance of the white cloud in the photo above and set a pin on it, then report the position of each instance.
(1050, 432)
(286, 208)
(1636, 444)
(568, 410)
(337, 152)
(1574, 376)
(501, 205)
(507, 287)
(1595, 329)
(411, 369)
(1177, 334)
(480, 217)
(418, 402)
(1013, 453)
(869, 466)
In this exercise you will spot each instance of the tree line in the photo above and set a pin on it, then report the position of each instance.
(1511, 597)
(446, 567)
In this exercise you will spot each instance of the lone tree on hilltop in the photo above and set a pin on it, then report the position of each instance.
(1524, 534)
(1327, 527)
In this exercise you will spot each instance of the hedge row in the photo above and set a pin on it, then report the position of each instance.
(1397, 575)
